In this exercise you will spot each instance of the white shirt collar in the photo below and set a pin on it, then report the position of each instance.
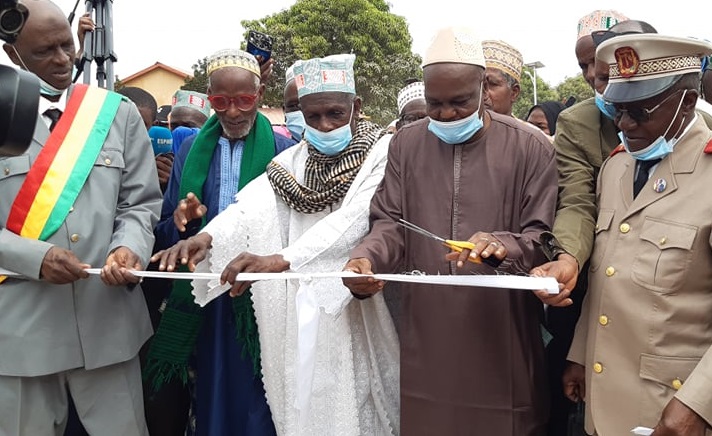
(45, 104)
(60, 104)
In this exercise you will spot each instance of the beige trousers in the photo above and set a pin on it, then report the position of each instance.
(109, 402)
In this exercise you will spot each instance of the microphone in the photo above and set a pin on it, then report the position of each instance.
(161, 140)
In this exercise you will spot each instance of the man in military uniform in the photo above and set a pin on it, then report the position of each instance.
(642, 343)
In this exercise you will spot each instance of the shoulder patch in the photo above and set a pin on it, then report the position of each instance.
(708, 147)
(617, 150)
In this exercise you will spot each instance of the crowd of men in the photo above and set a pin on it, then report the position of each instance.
(599, 194)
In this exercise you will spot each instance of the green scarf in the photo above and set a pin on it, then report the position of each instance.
(177, 333)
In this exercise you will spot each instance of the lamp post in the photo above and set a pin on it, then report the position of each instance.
(534, 66)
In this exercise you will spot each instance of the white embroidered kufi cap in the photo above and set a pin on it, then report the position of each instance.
(233, 58)
(455, 45)
(598, 20)
(412, 91)
(289, 74)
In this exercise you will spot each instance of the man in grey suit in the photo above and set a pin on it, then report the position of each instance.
(62, 332)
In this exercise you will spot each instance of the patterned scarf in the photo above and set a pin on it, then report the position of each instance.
(326, 178)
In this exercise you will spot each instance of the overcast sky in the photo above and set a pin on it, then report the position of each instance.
(179, 32)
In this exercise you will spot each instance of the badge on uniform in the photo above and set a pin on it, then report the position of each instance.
(659, 185)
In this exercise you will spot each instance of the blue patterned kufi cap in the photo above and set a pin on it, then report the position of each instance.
(329, 74)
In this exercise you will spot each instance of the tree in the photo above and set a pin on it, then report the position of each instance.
(576, 87)
(526, 96)
(118, 84)
(379, 39)
(199, 81)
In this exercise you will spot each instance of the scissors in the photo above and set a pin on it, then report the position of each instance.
(449, 243)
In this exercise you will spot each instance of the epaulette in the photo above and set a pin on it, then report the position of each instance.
(617, 150)
(708, 147)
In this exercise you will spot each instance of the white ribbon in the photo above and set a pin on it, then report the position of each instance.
(308, 309)
(488, 281)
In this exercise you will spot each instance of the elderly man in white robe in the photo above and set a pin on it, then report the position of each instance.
(330, 362)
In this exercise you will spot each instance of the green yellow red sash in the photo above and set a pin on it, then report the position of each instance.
(63, 165)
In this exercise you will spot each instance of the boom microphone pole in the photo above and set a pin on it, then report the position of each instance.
(73, 13)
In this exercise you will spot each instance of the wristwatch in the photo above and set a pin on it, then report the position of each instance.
(550, 246)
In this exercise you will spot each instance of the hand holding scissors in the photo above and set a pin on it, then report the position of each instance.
(478, 249)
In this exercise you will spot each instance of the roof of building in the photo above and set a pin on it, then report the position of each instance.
(157, 66)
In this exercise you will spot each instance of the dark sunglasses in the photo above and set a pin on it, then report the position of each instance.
(221, 103)
(640, 114)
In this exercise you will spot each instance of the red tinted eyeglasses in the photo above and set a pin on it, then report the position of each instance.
(221, 103)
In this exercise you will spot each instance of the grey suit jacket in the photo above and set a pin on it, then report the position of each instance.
(46, 328)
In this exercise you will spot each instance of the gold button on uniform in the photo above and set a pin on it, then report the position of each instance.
(7, 171)
(603, 320)
(676, 384)
(625, 228)
(71, 209)
(107, 161)
(597, 227)
(663, 240)
(610, 271)
(597, 368)
(74, 238)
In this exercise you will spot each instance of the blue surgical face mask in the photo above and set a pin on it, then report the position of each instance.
(330, 143)
(295, 124)
(457, 132)
(605, 107)
(659, 148)
(49, 90)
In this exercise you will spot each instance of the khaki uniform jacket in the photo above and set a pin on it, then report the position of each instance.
(46, 328)
(584, 139)
(646, 326)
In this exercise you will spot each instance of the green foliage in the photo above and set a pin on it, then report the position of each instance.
(571, 87)
(199, 81)
(576, 87)
(315, 28)
(544, 92)
(118, 84)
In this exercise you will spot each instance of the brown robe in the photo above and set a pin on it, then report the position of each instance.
(472, 359)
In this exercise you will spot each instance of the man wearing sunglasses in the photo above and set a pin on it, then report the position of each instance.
(233, 147)
(643, 341)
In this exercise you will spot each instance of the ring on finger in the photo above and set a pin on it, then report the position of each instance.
(494, 244)
(486, 240)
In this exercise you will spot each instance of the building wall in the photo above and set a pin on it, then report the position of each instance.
(161, 84)
(275, 115)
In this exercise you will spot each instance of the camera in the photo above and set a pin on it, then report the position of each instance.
(19, 90)
(12, 17)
